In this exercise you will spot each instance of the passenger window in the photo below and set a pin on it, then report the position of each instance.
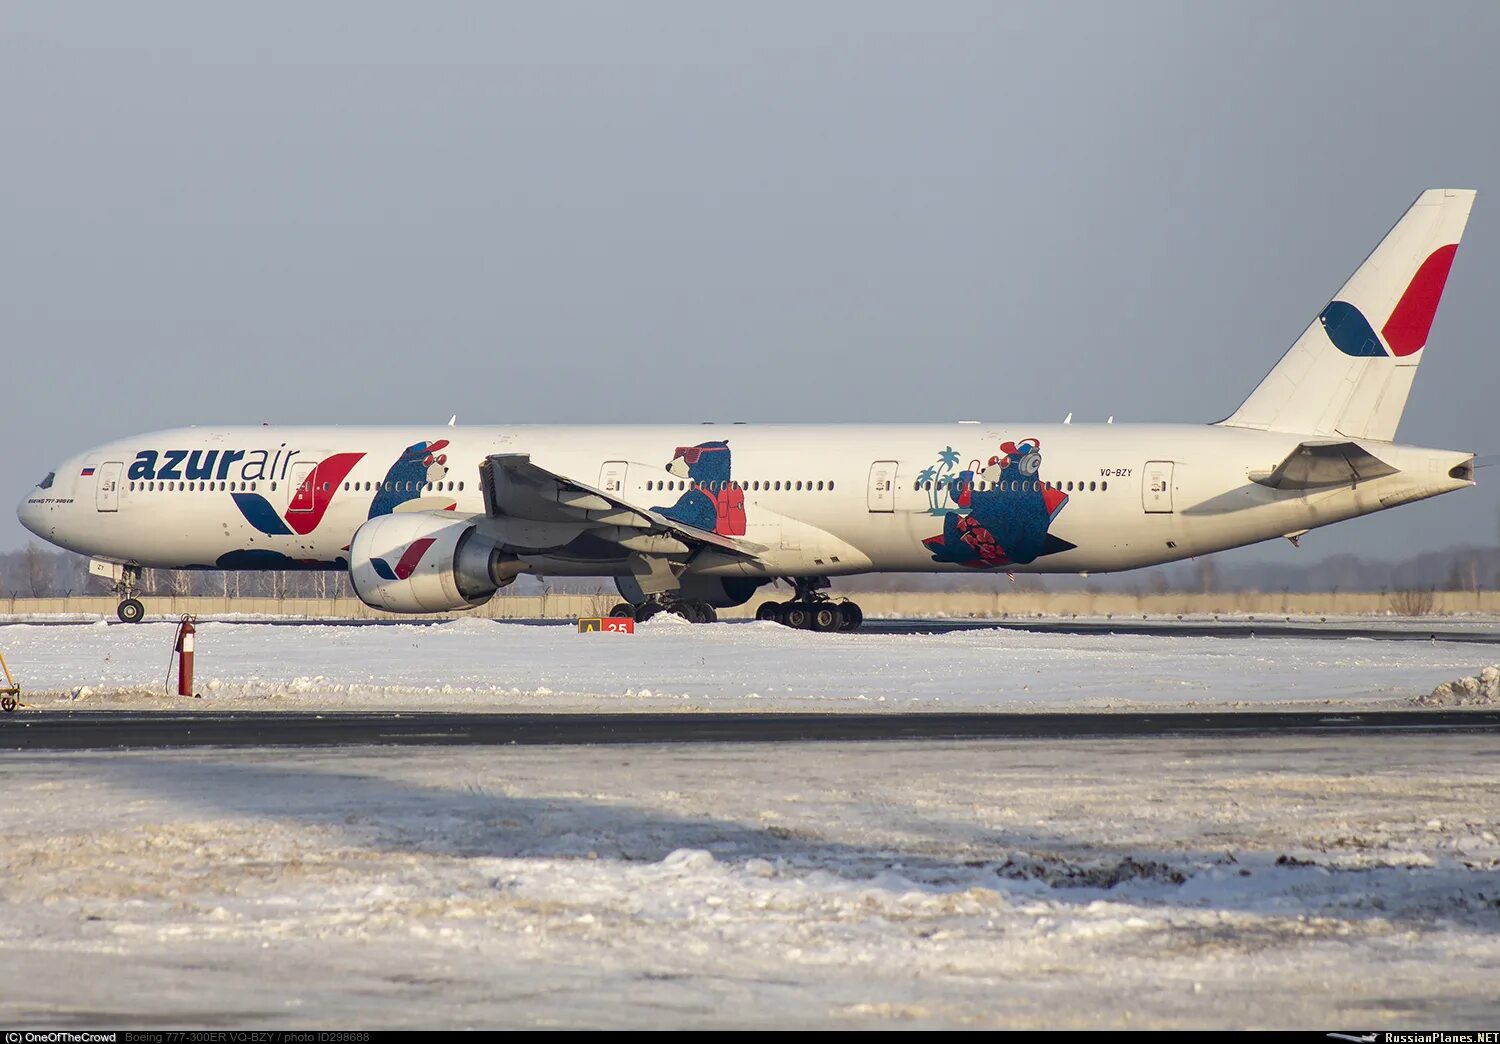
(1103, 486)
(830, 485)
(460, 487)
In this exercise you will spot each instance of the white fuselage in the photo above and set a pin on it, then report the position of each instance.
(819, 500)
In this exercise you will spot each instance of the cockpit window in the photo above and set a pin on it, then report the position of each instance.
(46, 483)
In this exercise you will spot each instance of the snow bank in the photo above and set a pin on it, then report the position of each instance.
(1482, 689)
(477, 664)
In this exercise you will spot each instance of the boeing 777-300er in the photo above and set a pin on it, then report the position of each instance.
(687, 519)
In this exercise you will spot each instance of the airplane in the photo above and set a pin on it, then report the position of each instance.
(692, 519)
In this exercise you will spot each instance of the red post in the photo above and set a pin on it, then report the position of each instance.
(185, 632)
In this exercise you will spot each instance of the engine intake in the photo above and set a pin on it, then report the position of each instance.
(424, 562)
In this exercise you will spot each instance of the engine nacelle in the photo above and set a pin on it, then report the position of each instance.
(424, 562)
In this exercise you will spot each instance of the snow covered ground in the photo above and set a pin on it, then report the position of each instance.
(491, 665)
(1322, 882)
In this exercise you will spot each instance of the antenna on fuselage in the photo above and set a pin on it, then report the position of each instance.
(453, 421)
(1068, 419)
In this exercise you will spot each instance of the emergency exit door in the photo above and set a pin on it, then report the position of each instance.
(304, 488)
(1156, 487)
(107, 488)
(882, 493)
(612, 476)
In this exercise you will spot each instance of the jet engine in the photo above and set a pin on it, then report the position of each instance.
(425, 562)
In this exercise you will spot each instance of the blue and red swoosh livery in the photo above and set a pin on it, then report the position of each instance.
(309, 502)
(408, 563)
(1405, 331)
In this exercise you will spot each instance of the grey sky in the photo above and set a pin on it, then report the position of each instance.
(370, 212)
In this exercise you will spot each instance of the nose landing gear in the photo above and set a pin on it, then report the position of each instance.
(124, 579)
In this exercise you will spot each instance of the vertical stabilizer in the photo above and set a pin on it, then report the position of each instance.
(1350, 372)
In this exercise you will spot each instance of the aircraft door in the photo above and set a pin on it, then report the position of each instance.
(612, 477)
(107, 486)
(1156, 487)
(882, 491)
(304, 478)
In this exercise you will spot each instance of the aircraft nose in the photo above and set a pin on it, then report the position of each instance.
(29, 514)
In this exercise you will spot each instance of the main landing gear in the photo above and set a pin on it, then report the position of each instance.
(692, 612)
(812, 610)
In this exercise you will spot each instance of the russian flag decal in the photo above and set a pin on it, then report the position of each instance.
(86, 471)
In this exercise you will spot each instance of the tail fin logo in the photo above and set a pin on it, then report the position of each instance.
(1405, 332)
(1407, 328)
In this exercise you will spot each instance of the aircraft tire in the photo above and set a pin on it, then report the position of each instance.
(850, 616)
(826, 617)
(130, 611)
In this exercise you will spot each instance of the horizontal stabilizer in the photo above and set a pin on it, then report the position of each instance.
(1316, 465)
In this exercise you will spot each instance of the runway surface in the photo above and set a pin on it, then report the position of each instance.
(1413, 630)
(104, 730)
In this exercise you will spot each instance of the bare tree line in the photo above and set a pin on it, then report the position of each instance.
(37, 571)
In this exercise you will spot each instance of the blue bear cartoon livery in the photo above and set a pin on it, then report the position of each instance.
(418, 464)
(1007, 518)
(712, 500)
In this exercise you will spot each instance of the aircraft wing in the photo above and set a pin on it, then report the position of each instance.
(1321, 464)
(514, 487)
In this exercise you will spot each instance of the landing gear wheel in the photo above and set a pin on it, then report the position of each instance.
(130, 611)
(706, 613)
(686, 610)
(646, 611)
(769, 612)
(826, 617)
(624, 609)
(9, 703)
(795, 615)
(850, 616)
